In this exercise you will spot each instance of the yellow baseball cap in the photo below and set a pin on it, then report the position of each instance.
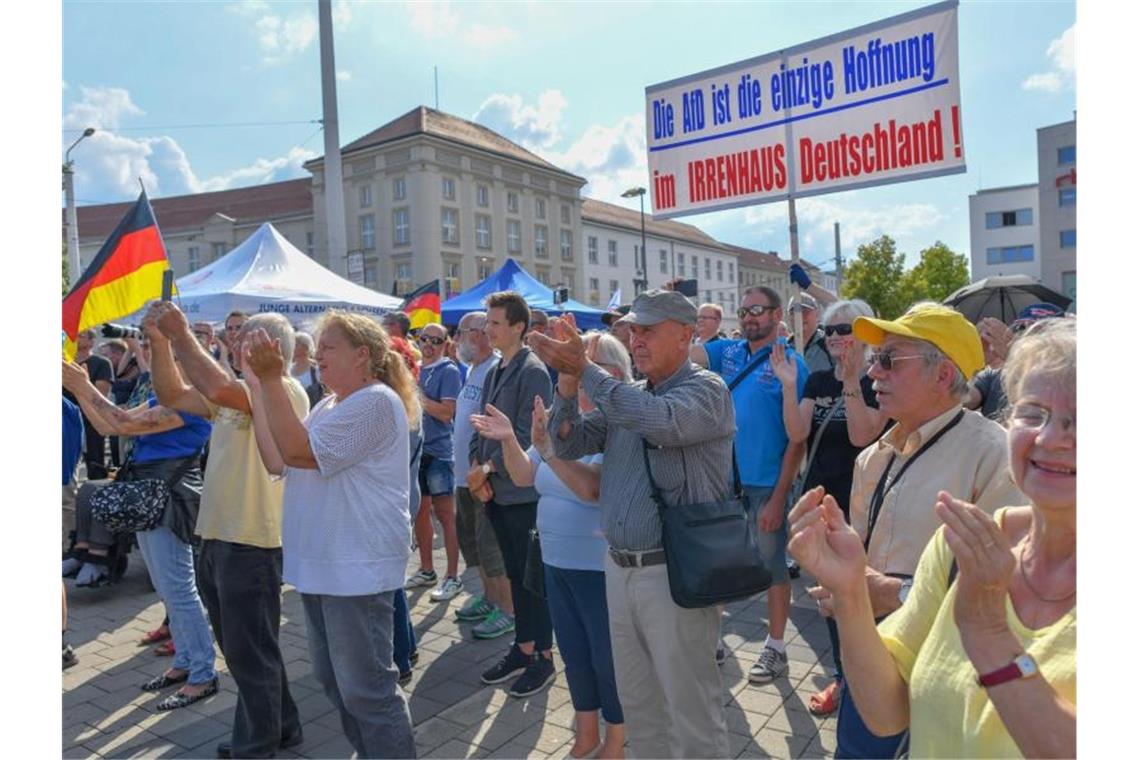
(945, 328)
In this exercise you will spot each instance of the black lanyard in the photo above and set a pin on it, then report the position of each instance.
(881, 489)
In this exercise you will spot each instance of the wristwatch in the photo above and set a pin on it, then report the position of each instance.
(486, 468)
(904, 589)
(1023, 666)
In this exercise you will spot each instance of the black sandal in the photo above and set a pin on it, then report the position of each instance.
(158, 683)
(180, 699)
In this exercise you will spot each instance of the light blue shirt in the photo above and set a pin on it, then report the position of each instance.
(570, 529)
(466, 404)
(758, 399)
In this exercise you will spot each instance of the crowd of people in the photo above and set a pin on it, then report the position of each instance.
(941, 540)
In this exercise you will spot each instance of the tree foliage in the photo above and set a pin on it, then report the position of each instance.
(878, 277)
(66, 275)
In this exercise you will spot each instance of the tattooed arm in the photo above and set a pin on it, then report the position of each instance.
(109, 419)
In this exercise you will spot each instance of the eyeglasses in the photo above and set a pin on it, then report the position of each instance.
(830, 330)
(756, 310)
(435, 341)
(886, 361)
(1034, 417)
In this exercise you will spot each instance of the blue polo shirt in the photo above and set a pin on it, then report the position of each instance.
(439, 382)
(758, 399)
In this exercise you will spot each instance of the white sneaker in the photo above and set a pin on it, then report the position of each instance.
(421, 578)
(449, 589)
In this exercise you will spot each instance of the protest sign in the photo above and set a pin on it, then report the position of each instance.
(868, 106)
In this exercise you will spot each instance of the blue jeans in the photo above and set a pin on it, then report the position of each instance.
(170, 562)
(577, 600)
(403, 634)
(350, 640)
(772, 545)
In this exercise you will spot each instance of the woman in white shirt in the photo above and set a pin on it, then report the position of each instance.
(346, 531)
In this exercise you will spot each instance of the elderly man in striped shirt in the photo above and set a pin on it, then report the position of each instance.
(664, 655)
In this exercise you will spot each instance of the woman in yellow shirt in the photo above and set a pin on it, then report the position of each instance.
(982, 664)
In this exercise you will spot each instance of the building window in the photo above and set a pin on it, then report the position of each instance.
(540, 241)
(192, 261)
(1009, 254)
(708, 296)
(1067, 196)
(539, 208)
(1068, 238)
(368, 232)
(565, 214)
(613, 287)
(365, 196)
(219, 251)
(1018, 218)
(370, 275)
(593, 284)
(543, 276)
(693, 260)
(400, 234)
(664, 261)
(680, 265)
(1067, 155)
(592, 249)
(513, 202)
(482, 231)
(731, 303)
(514, 236)
(450, 218)
(482, 196)
(453, 281)
(612, 251)
(708, 268)
(731, 272)
(568, 281)
(448, 189)
(566, 244)
(1069, 285)
(719, 270)
(399, 189)
(403, 278)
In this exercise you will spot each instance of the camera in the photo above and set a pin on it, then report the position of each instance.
(111, 330)
(561, 296)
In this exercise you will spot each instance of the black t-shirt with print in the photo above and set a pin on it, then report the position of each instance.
(834, 463)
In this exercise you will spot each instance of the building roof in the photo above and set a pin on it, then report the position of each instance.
(251, 205)
(601, 212)
(1006, 189)
(428, 121)
(750, 257)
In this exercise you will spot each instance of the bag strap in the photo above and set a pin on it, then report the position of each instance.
(655, 491)
(756, 361)
(819, 434)
(880, 494)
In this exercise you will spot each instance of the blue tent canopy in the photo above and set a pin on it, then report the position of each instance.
(510, 276)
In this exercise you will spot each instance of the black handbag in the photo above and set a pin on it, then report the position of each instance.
(534, 573)
(127, 504)
(711, 553)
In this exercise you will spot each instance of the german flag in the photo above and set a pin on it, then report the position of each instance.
(422, 305)
(122, 278)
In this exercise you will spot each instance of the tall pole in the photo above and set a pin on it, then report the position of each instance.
(838, 262)
(334, 178)
(644, 264)
(75, 263)
(793, 228)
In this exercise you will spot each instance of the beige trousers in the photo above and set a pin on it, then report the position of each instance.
(665, 660)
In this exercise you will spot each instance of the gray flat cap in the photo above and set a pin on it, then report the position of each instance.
(654, 306)
(805, 301)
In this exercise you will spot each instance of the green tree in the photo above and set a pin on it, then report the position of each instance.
(875, 276)
(66, 277)
(938, 273)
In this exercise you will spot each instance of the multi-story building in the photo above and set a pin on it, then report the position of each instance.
(614, 259)
(1057, 188)
(1004, 236)
(1032, 229)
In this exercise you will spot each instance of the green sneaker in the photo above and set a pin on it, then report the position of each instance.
(476, 608)
(496, 624)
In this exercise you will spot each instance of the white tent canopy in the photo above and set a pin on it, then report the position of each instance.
(266, 274)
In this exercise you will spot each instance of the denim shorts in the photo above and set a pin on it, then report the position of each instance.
(437, 476)
(772, 545)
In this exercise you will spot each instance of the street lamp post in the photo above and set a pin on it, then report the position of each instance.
(75, 264)
(639, 192)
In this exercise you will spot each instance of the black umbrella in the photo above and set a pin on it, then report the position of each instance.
(1002, 297)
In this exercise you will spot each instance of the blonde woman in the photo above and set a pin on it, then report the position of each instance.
(980, 661)
(346, 529)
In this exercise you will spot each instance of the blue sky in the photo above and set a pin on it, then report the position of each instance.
(565, 79)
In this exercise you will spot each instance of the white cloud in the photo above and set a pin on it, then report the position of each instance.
(283, 36)
(440, 20)
(344, 76)
(109, 165)
(532, 126)
(342, 14)
(1062, 54)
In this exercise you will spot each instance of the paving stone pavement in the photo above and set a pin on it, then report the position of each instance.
(105, 714)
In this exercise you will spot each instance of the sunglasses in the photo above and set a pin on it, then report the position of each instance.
(755, 310)
(830, 330)
(435, 341)
(887, 361)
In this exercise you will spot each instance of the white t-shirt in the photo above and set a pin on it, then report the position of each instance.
(347, 530)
